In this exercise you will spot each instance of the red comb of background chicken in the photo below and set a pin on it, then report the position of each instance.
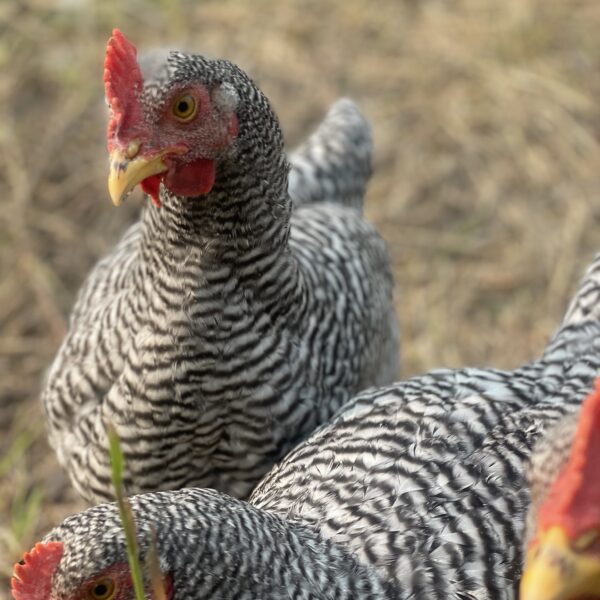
(123, 82)
(32, 577)
(574, 498)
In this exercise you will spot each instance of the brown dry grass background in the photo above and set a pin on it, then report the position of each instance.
(486, 116)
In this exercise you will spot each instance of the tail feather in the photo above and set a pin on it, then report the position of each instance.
(585, 304)
(334, 163)
(582, 318)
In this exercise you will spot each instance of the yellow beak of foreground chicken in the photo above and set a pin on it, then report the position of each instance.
(558, 569)
(127, 170)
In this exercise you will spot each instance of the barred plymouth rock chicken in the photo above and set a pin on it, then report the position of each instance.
(225, 326)
(563, 545)
(417, 490)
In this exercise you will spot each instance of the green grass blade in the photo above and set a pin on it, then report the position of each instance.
(117, 462)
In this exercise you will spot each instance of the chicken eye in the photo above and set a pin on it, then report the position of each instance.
(102, 589)
(184, 108)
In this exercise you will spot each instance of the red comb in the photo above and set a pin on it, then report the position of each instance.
(123, 81)
(32, 577)
(574, 498)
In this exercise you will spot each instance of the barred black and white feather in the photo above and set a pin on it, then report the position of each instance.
(413, 491)
(335, 161)
(222, 330)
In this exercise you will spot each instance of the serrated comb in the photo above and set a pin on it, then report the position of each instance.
(32, 577)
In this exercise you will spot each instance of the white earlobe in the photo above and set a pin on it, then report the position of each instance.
(226, 97)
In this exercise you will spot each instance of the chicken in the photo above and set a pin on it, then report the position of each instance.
(416, 490)
(230, 321)
(563, 545)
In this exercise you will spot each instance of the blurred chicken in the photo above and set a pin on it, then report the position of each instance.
(563, 547)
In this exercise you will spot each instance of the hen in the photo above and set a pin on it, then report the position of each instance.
(225, 326)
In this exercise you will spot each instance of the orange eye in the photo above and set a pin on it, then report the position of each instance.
(102, 589)
(184, 108)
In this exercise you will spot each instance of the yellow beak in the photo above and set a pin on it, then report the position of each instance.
(126, 172)
(555, 571)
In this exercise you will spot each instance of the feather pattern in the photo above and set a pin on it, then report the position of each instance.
(416, 490)
(335, 161)
(223, 329)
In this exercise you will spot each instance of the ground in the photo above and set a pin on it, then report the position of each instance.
(486, 118)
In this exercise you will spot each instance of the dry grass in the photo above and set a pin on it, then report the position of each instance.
(486, 118)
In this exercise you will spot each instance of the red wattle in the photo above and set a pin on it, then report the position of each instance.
(192, 179)
(151, 186)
